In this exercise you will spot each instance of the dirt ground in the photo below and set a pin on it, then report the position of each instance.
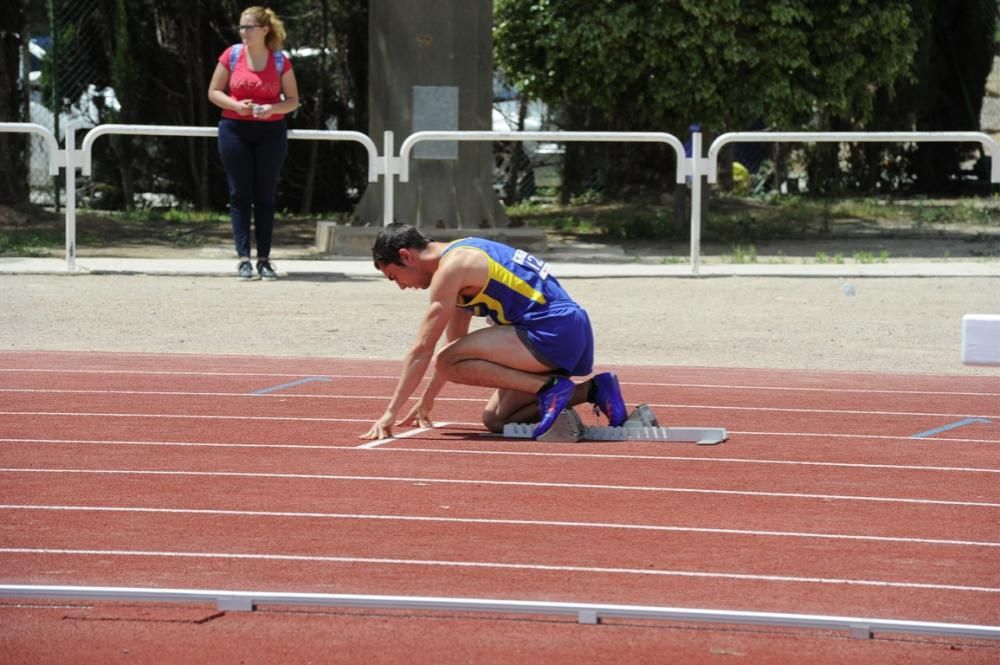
(887, 325)
(870, 324)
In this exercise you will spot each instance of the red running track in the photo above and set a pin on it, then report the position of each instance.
(846, 494)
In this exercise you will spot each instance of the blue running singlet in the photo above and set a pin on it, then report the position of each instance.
(520, 292)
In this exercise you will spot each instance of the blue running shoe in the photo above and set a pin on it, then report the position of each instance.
(608, 398)
(551, 403)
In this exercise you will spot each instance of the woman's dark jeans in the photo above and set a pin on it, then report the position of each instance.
(252, 154)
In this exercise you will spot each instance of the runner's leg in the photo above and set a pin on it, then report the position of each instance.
(497, 357)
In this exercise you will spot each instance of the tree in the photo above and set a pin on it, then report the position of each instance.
(662, 64)
(957, 45)
(323, 175)
(158, 56)
(13, 147)
(125, 78)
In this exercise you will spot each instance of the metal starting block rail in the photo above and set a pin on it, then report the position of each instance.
(641, 425)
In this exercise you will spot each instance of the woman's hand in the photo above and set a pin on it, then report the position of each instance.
(262, 111)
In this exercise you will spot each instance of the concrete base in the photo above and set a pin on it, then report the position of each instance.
(342, 240)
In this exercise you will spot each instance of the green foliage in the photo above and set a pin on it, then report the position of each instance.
(13, 147)
(729, 63)
(642, 225)
(742, 254)
(125, 73)
(921, 213)
(618, 222)
(159, 55)
(169, 216)
(18, 243)
(746, 222)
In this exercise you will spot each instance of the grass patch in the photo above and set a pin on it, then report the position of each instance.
(919, 213)
(32, 230)
(17, 243)
(823, 257)
(741, 254)
(747, 221)
(743, 222)
(611, 221)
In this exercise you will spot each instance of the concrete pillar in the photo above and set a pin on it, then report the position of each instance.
(431, 68)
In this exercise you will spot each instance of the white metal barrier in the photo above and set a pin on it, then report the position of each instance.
(585, 613)
(681, 170)
(990, 146)
(388, 164)
(170, 130)
(711, 163)
(52, 145)
(84, 159)
(553, 137)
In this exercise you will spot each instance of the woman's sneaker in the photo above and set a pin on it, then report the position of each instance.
(266, 270)
(607, 398)
(244, 272)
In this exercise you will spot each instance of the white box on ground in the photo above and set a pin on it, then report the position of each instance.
(981, 339)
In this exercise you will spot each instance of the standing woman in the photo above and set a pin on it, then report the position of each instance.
(255, 87)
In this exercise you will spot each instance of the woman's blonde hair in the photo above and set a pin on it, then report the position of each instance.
(264, 16)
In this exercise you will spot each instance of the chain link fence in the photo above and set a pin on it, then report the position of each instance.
(66, 83)
(524, 170)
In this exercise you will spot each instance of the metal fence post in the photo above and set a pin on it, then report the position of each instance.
(388, 182)
(696, 194)
(70, 197)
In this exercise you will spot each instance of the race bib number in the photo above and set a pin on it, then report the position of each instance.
(522, 258)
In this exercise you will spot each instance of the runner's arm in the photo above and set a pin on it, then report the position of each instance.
(457, 327)
(444, 290)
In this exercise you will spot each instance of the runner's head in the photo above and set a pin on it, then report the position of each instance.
(392, 238)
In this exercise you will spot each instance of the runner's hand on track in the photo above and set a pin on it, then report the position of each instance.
(381, 429)
(420, 415)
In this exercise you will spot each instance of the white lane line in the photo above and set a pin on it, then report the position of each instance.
(404, 435)
(503, 522)
(710, 407)
(395, 377)
(865, 391)
(282, 396)
(150, 372)
(506, 453)
(90, 414)
(901, 437)
(208, 393)
(490, 565)
(63, 414)
(504, 483)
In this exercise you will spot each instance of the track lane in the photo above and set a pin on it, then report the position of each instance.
(301, 403)
(526, 502)
(866, 485)
(337, 386)
(906, 393)
(350, 636)
(406, 576)
(198, 365)
(773, 450)
(950, 567)
(166, 411)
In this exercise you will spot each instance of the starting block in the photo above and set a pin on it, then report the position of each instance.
(641, 425)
